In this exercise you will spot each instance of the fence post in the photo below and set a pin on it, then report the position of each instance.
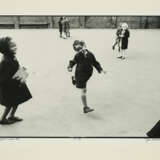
(82, 21)
(50, 22)
(146, 23)
(117, 21)
(85, 21)
(16, 24)
(114, 21)
(140, 22)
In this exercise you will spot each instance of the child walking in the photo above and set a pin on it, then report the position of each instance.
(13, 89)
(84, 61)
(60, 24)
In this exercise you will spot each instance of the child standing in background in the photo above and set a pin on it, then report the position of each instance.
(60, 23)
(118, 38)
(125, 34)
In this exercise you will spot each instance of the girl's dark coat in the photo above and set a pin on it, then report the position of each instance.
(125, 40)
(66, 25)
(12, 92)
(85, 63)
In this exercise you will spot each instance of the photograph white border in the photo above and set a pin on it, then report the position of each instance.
(73, 149)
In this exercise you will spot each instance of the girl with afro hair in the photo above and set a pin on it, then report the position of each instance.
(13, 89)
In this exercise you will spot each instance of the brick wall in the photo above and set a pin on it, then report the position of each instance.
(79, 21)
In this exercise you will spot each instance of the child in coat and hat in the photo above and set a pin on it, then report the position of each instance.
(125, 34)
(84, 61)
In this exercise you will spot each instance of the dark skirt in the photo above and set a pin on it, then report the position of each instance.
(60, 29)
(12, 94)
(81, 80)
(124, 43)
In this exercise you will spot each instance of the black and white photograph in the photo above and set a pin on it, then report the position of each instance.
(79, 76)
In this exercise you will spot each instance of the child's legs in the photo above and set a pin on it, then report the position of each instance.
(14, 109)
(119, 46)
(81, 83)
(123, 53)
(68, 33)
(119, 53)
(60, 31)
(115, 43)
(84, 96)
(5, 113)
(65, 32)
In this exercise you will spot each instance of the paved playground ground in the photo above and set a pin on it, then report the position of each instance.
(126, 100)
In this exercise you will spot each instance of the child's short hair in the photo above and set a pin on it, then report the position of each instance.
(77, 45)
(82, 43)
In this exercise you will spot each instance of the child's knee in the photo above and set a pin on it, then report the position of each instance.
(84, 91)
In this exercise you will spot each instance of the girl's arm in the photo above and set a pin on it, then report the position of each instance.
(96, 64)
(72, 63)
(127, 34)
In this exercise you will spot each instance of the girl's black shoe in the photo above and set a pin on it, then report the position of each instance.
(6, 121)
(87, 109)
(15, 119)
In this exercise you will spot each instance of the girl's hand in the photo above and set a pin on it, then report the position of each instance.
(69, 69)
